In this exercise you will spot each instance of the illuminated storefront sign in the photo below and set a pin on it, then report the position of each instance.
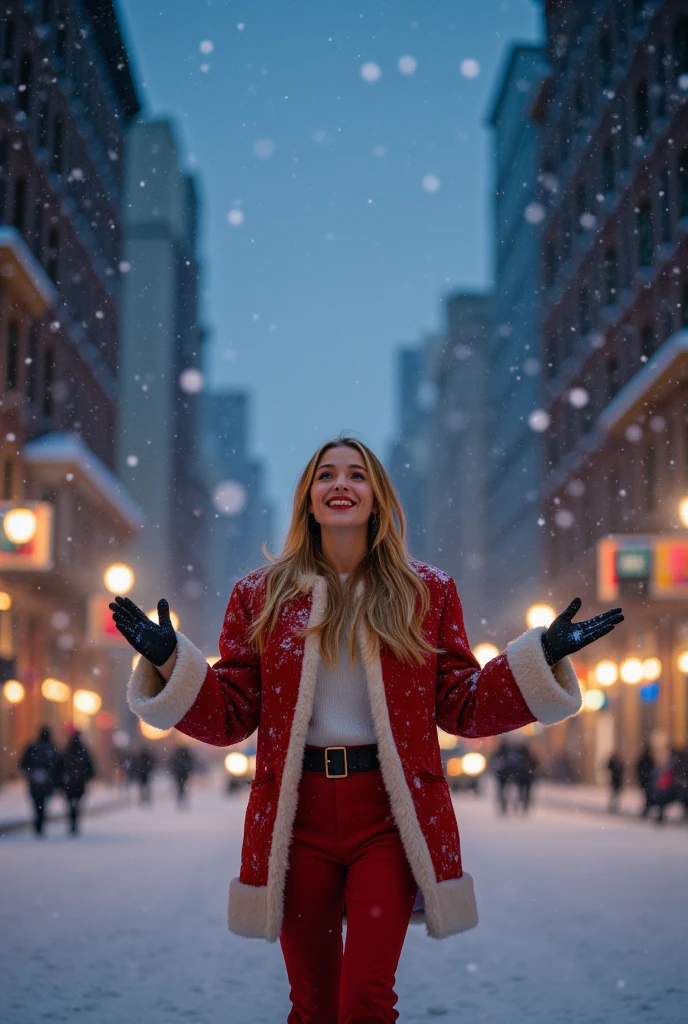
(102, 631)
(36, 553)
(651, 565)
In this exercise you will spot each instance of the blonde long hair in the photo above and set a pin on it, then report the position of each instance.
(392, 600)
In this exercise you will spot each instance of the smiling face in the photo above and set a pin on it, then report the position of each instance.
(341, 494)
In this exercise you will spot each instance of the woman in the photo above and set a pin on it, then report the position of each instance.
(348, 655)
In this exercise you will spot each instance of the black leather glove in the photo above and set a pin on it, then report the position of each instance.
(155, 642)
(566, 637)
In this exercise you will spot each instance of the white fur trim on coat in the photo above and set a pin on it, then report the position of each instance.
(551, 694)
(165, 705)
(248, 909)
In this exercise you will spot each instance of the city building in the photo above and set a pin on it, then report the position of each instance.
(613, 113)
(513, 571)
(66, 98)
(408, 454)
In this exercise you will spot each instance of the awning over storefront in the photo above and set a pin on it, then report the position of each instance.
(58, 453)
(23, 276)
(665, 371)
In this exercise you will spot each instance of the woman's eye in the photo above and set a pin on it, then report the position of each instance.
(324, 474)
(359, 475)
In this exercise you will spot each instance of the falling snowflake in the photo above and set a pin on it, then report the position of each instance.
(379, 150)
(579, 398)
(132, 460)
(431, 183)
(576, 488)
(264, 148)
(370, 72)
(658, 424)
(230, 497)
(534, 213)
(235, 217)
(470, 68)
(407, 65)
(60, 620)
(100, 315)
(564, 519)
(191, 380)
(456, 420)
(539, 420)
(633, 433)
(462, 352)
(683, 82)
(320, 136)
(207, 46)
(124, 267)
(587, 221)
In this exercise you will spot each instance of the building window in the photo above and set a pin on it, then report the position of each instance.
(611, 277)
(613, 376)
(638, 11)
(12, 355)
(585, 310)
(7, 69)
(581, 207)
(7, 479)
(58, 145)
(644, 228)
(621, 30)
(32, 362)
(665, 204)
(47, 11)
(608, 169)
(683, 184)
(623, 134)
(650, 478)
(605, 61)
(25, 81)
(42, 133)
(681, 47)
(61, 36)
(684, 306)
(660, 81)
(550, 264)
(647, 342)
(19, 212)
(642, 111)
(38, 229)
(53, 255)
(48, 381)
(579, 107)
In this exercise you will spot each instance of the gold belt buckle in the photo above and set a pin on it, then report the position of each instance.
(328, 773)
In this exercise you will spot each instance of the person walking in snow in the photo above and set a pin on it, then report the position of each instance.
(77, 772)
(346, 655)
(181, 766)
(644, 772)
(145, 762)
(615, 768)
(41, 763)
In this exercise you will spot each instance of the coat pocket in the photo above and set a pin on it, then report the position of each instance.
(262, 780)
(428, 776)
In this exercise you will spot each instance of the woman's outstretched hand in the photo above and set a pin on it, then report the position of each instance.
(155, 642)
(566, 637)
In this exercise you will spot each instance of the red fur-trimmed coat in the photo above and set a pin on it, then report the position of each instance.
(274, 693)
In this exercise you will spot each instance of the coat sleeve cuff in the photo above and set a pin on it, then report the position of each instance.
(164, 706)
(551, 694)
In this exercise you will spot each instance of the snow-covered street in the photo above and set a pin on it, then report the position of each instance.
(582, 919)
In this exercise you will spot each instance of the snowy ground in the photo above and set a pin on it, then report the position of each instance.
(583, 919)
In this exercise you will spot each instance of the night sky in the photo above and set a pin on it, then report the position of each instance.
(361, 202)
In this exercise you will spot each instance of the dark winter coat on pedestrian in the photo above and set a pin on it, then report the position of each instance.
(645, 768)
(226, 702)
(181, 763)
(77, 768)
(42, 764)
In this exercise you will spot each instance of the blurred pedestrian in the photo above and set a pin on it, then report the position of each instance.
(644, 771)
(615, 767)
(502, 764)
(525, 768)
(42, 764)
(77, 772)
(181, 766)
(145, 766)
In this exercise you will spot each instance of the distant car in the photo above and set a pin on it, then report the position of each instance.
(240, 766)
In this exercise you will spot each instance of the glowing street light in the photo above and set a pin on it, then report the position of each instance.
(593, 700)
(118, 578)
(236, 763)
(55, 690)
(13, 691)
(631, 671)
(87, 702)
(682, 662)
(540, 615)
(5, 601)
(484, 653)
(652, 669)
(683, 511)
(20, 525)
(606, 673)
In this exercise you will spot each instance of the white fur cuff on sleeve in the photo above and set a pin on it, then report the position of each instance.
(164, 706)
(551, 695)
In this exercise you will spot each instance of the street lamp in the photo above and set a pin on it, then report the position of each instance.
(682, 662)
(13, 691)
(606, 673)
(484, 653)
(87, 702)
(631, 671)
(593, 700)
(55, 690)
(118, 578)
(652, 669)
(683, 511)
(5, 601)
(540, 615)
(20, 525)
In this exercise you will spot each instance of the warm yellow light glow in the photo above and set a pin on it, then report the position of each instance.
(5, 601)
(119, 578)
(20, 525)
(446, 740)
(473, 763)
(454, 767)
(631, 671)
(484, 653)
(540, 615)
(606, 673)
(13, 692)
(683, 511)
(151, 733)
(174, 618)
(593, 700)
(236, 763)
(87, 702)
(683, 662)
(652, 669)
(55, 690)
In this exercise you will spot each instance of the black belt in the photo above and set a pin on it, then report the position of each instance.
(338, 762)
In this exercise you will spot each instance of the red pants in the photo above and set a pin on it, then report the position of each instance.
(346, 850)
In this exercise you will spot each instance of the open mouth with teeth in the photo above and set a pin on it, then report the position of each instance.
(340, 503)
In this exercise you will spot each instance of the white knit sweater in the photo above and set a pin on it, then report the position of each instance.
(341, 710)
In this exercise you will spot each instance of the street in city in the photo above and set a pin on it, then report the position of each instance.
(582, 919)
